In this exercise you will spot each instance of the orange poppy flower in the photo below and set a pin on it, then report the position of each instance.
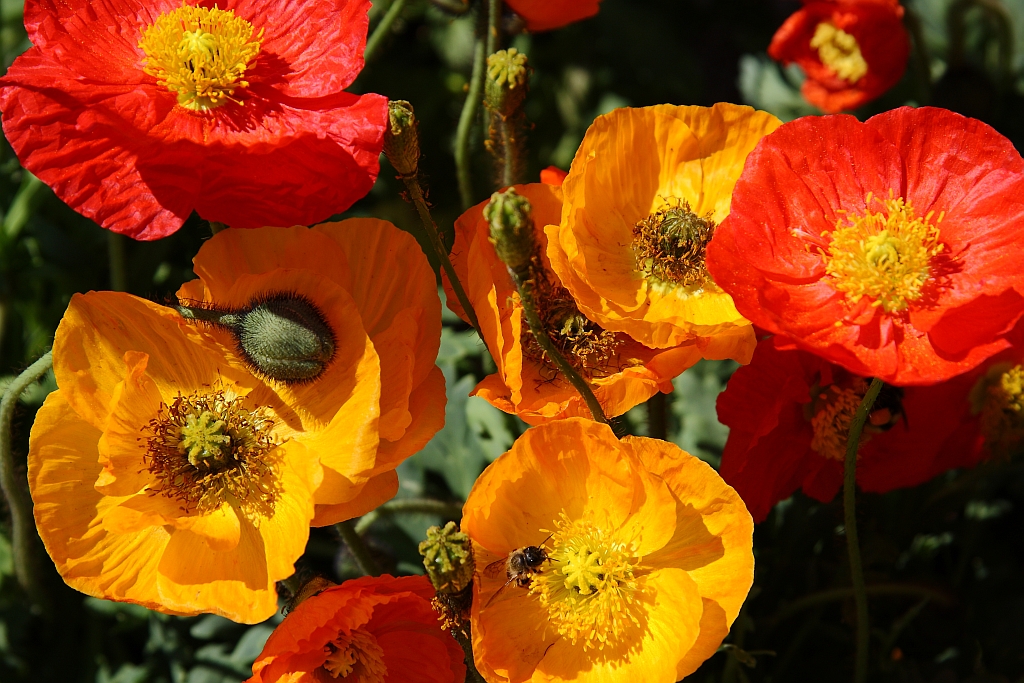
(883, 246)
(641, 558)
(642, 199)
(165, 474)
(347, 270)
(367, 630)
(623, 373)
(544, 15)
(851, 50)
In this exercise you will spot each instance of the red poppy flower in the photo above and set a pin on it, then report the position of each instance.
(369, 630)
(136, 113)
(888, 247)
(789, 412)
(544, 15)
(851, 50)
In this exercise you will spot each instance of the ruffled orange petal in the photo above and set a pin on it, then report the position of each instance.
(378, 490)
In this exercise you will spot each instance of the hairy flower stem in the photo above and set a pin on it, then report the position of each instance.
(360, 551)
(525, 286)
(470, 108)
(466, 643)
(494, 26)
(376, 40)
(23, 530)
(852, 543)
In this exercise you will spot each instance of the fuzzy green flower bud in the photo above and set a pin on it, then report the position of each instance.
(510, 216)
(507, 77)
(402, 140)
(448, 558)
(280, 336)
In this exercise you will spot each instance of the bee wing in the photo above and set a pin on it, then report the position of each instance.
(495, 569)
(499, 592)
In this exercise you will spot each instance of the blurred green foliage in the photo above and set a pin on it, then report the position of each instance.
(954, 546)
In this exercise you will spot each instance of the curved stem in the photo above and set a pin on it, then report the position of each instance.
(425, 506)
(412, 185)
(376, 40)
(956, 28)
(15, 490)
(360, 551)
(525, 287)
(470, 108)
(852, 543)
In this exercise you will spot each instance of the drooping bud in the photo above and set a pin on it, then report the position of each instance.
(281, 336)
(510, 216)
(448, 558)
(507, 77)
(402, 140)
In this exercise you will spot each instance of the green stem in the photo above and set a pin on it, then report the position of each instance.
(956, 27)
(470, 108)
(376, 40)
(657, 422)
(412, 185)
(360, 551)
(407, 506)
(23, 531)
(494, 26)
(115, 253)
(922, 60)
(852, 543)
(466, 643)
(840, 594)
(508, 150)
(525, 287)
(457, 7)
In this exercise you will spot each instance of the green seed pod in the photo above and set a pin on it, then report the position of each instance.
(280, 336)
(510, 216)
(505, 86)
(448, 558)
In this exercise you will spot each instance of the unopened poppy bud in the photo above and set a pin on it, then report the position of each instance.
(402, 140)
(507, 77)
(511, 220)
(280, 336)
(448, 558)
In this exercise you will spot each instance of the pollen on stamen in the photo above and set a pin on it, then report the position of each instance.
(839, 51)
(590, 585)
(886, 256)
(206, 449)
(999, 397)
(669, 247)
(200, 54)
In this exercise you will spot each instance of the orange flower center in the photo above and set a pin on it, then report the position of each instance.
(200, 54)
(206, 449)
(839, 51)
(590, 585)
(669, 246)
(833, 408)
(999, 397)
(357, 657)
(884, 255)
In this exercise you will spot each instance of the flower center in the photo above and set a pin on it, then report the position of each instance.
(885, 255)
(999, 397)
(200, 54)
(356, 656)
(839, 51)
(589, 585)
(206, 449)
(834, 408)
(669, 247)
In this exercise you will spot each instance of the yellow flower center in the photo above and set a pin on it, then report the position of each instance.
(356, 656)
(200, 54)
(885, 255)
(999, 397)
(834, 409)
(589, 584)
(669, 247)
(207, 449)
(839, 51)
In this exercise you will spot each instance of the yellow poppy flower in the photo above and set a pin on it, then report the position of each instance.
(347, 267)
(644, 194)
(164, 473)
(622, 372)
(645, 558)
